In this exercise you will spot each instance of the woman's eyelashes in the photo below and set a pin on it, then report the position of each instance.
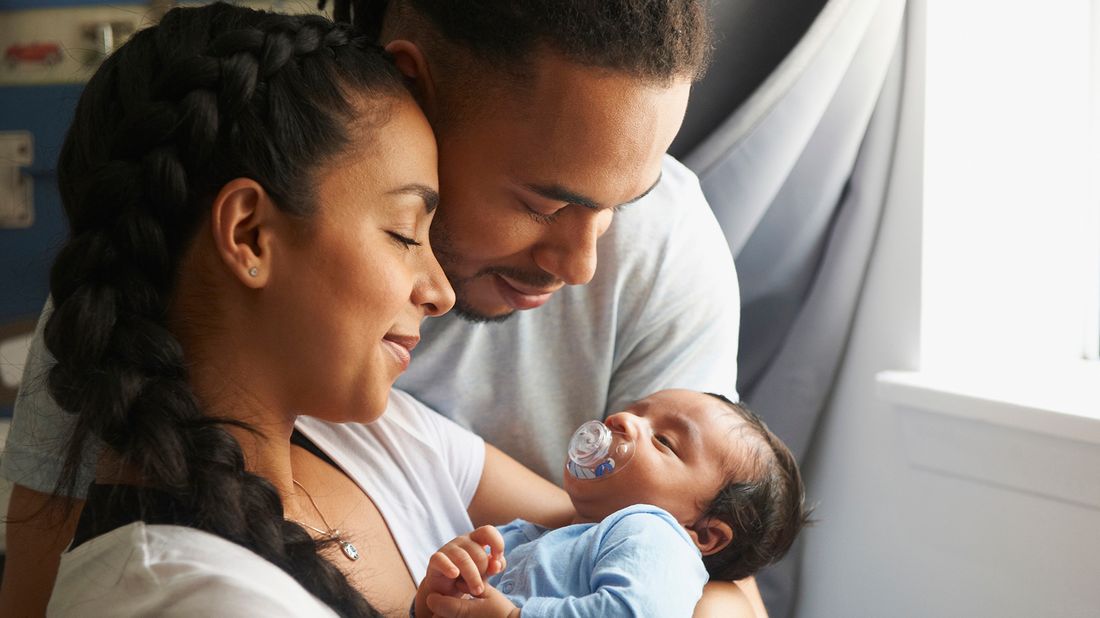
(405, 241)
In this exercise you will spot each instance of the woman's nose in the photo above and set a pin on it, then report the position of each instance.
(434, 295)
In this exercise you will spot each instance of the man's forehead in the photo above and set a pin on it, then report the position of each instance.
(600, 145)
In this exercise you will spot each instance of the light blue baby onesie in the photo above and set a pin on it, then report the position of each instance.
(636, 562)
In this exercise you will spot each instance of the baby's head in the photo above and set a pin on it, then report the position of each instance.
(715, 467)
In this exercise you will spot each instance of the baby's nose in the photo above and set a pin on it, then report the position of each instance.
(626, 422)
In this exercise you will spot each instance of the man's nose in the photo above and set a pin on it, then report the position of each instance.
(569, 250)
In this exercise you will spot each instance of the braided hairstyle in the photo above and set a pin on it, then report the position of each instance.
(652, 39)
(208, 95)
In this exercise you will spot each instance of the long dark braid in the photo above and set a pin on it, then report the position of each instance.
(208, 95)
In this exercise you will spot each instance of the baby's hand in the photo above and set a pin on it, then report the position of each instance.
(492, 604)
(459, 567)
(466, 557)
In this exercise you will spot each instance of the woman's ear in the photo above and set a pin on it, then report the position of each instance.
(711, 535)
(241, 222)
(411, 62)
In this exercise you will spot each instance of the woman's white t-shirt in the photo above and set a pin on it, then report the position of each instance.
(420, 469)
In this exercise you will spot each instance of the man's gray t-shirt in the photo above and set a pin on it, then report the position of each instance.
(661, 312)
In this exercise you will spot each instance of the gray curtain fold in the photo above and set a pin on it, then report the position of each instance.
(752, 38)
(797, 177)
(793, 391)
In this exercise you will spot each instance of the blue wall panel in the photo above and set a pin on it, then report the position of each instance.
(26, 254)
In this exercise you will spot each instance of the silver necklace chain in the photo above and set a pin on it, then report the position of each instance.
(333, 534)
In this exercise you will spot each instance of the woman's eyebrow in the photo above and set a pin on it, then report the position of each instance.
(424, 192)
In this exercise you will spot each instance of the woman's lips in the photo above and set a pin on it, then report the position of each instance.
(401, 347)
(520, 297)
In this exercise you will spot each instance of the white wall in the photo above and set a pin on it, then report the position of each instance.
(898, 540)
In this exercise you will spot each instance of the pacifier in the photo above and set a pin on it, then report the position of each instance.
(596, 451)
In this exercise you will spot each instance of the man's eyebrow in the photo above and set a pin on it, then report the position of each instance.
(558, 193)
(424, 192)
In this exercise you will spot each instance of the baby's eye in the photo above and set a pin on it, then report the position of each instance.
(664, 441)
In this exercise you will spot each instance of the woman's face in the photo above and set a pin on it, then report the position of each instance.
(350, 294)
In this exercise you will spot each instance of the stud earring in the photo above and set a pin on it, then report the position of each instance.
(253, 272)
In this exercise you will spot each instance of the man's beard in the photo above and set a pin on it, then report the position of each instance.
(462, 307)
(464, 310)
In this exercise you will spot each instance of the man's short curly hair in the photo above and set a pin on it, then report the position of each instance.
(658, 40)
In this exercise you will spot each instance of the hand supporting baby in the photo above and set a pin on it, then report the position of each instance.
(454, 586)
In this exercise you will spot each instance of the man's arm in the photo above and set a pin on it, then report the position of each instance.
(728, 600)
(720, 600)
(749, 589)
(39, 528)
(508, 490)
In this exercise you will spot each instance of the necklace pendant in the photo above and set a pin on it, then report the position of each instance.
(349, 550)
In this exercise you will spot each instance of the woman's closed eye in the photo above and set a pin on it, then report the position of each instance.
(403, 240)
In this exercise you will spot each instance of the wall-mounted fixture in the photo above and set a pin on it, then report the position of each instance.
(16, 187)
(106, 36)
(64, 45)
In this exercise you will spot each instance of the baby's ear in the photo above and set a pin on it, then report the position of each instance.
(711, 535)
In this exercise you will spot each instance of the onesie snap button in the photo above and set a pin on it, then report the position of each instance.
(507, 587)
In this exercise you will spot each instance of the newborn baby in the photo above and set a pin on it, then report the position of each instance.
(679, 488)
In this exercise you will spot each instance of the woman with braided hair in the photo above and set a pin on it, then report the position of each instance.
(249, 197)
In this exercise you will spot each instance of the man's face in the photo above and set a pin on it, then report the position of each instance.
(530, 180)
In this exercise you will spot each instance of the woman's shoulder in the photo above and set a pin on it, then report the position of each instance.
(142, 569)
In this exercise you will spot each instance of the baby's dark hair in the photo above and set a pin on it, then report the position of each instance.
(763, 504)
(651, 39)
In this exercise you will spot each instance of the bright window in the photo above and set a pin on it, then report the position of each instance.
(1092, 335)
(1011, 232)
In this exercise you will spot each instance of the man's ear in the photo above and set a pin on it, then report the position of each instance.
(241, 222)
(411, 62)
(711, 535)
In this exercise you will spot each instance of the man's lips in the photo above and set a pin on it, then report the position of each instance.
(401, 347)
(520, 297)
